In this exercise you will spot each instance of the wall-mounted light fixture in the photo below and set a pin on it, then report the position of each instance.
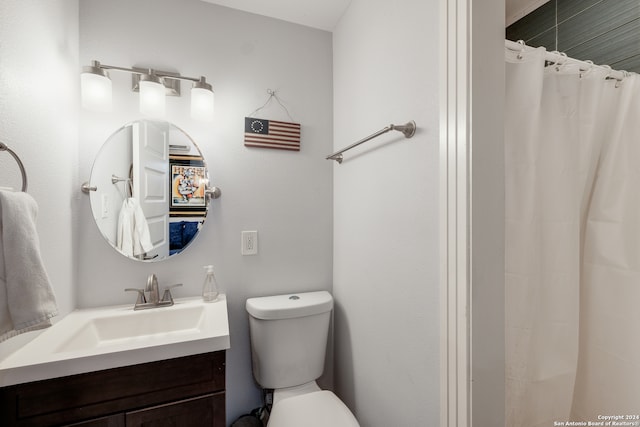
(153, 85)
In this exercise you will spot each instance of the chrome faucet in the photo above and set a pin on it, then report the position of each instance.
(154, 300)
(152, 288)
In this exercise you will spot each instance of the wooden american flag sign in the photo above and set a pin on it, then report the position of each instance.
(271, 134)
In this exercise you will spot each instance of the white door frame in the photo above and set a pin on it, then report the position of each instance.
(454, 213)
(472, 212)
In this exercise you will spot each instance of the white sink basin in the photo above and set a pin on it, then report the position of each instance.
(137, 328)
(107, 337)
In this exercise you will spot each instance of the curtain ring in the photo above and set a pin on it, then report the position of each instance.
(609, 69)
(619, 82)
(520, 55)
(559, 64)
(554, 62)
(588, 69)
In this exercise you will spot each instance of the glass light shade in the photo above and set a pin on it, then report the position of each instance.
(152, 99)
(202, 104)
(96, 92)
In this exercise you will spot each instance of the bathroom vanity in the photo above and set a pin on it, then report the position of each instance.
(113, 367)
(185, 391)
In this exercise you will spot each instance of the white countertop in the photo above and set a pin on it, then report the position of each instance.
(93, 339)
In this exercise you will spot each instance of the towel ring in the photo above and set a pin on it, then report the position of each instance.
(3, 147)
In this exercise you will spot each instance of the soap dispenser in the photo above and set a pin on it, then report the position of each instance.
(210, 286)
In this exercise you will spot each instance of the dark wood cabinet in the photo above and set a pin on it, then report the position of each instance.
(186, 391)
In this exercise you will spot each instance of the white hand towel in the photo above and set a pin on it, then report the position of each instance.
(133, 237)
(27, 301)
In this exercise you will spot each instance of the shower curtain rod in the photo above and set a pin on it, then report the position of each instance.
(557, 57)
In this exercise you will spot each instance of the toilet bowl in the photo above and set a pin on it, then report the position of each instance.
(309, 407)
(288, 344)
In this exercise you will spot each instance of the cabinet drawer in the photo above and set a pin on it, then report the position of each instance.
(96, 394)
(112, 421)
(205, 411)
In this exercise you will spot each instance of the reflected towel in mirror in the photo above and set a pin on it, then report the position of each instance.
(27, 301)
(133, 237)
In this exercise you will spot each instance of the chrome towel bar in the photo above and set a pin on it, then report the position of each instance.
(3, 147)
(408, 129)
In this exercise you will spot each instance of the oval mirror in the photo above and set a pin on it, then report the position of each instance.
(149, 190)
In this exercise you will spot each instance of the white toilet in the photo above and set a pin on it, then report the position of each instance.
(288, 345)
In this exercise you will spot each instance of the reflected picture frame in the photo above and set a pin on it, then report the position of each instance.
(188, 181)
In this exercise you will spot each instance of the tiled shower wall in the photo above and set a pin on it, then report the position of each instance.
(604, 31)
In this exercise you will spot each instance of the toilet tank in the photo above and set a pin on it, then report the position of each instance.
(289, 337)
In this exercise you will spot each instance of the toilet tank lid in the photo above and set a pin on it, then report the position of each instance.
(290, 306)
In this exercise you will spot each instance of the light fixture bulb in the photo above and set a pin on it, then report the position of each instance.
(95, 88)
(202, 101)
(152, 96)
(202, 104)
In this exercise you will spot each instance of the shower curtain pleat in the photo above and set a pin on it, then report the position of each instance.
(608, 380)
(562, 131)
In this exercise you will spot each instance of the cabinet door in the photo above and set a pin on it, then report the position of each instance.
(197, 412)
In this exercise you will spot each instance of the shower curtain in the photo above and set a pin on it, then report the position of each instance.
(572, 176)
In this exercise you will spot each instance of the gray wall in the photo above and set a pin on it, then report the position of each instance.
(604, 31)
(386, 240)
(39, 121)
